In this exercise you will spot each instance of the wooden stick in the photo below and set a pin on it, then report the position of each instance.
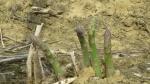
(13, 40)
(7, 56)
(66, 81)
(39, 10)
(73, 58)
(29, 59)
(13, 59)
(2, 42)
(37, 68)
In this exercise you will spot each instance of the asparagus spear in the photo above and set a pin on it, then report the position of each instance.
(50, 57)
(107, 53)
(81, 37)
(94, 56)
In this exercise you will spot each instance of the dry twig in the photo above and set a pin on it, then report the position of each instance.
(30, 57)
(2, 42)
(13, 40)
(13, 59)
(66, 81)
(73, 58)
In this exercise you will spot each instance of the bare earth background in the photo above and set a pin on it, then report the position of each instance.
(128, 20)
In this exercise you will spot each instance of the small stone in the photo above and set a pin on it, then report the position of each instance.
(117, 73)
(148, 69)
(128, 22)
(144, 83)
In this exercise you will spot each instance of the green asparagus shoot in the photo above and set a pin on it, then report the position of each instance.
(107, 53)
(94, 56)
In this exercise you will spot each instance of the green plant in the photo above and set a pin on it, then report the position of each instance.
(94, 56)
(83, 44)
(49, 55)
(109, 69)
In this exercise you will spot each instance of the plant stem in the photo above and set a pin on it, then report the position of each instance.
(83, 44)
(50, 57)
(94, 58)
(107, 54)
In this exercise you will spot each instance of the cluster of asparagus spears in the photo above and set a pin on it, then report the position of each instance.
(93, 59)
(90, 59)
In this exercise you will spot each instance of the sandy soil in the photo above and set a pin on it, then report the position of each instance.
(128, 20)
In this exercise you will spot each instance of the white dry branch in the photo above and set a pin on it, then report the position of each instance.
(30, 56)
(141, 76)
(39, 10)
(73, 58)
(2, 42)
(21, 57)
(66, 81)
(12, 59)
